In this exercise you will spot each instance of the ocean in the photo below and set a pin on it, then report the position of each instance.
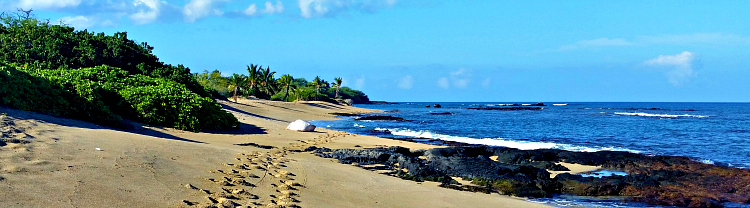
(715, 133)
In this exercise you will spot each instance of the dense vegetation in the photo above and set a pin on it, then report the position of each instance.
(95, 77)
(260, 83)
(100, 78)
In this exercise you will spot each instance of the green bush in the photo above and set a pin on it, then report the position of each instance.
(155, 101)
(358, 97)
(43, 45)
(23, 91)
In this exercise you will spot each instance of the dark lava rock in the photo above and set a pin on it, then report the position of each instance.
(346, 114)
(381, 131)
(427, 106)
(256, 145)
(506, 108)
(658, 180)
(538, 104)
(379, 118)
(437, 106)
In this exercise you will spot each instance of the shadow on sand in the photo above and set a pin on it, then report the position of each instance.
(135, 127)
(225, 106)
(326, 106)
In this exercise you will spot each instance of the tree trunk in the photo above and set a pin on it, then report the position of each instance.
(337, 93)
(235, 94)
(286, 97)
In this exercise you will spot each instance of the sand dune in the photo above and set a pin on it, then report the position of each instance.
(67, 163)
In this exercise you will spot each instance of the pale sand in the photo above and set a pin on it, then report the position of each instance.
(573, 168)
(155, 167)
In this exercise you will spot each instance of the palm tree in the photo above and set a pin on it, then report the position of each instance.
(253, 76)
(316, 82)
(288, 82)
(338, 81)
(266, 80)
(299, 93)
(236, 81)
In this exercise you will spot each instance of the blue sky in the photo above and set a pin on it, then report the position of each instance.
(443, 50)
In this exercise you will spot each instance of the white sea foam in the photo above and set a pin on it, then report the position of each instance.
(563, 104)
(359, 126)
(502, 142)
(707, 161)
(659, 115)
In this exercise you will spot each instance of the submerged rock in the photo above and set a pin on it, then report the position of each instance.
(346, 114)
(379, 118)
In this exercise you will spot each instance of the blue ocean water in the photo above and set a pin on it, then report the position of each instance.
(717, 133)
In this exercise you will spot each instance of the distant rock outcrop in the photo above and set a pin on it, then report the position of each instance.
(379, 118)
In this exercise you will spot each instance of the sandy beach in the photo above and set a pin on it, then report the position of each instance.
(70, 163)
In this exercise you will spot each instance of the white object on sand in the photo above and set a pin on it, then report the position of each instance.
(300, 125)
(98, 149)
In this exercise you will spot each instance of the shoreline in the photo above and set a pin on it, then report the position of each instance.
(78, 164)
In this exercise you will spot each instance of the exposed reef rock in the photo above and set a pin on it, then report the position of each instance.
(379, 118)
(659, 180)
(347, 114)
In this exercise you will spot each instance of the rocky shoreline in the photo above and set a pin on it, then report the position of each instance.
(657, 180)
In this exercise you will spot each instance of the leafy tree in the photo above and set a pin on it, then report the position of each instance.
(316, 83)
(253, 77)
(236, 81)
(267, 80)
(338, 82)
(287, 81)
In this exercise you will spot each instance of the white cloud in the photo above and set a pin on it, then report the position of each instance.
(486, 83)
(271, 8)
(81, 22)
(327, 8)
(461, 77)
(679, 66)
(680, 39)
(197, 9)
(148, 11)
(444, 83)
(359, 83)
(251, 10)
(406, 82)
(47, 4)
(600, 42)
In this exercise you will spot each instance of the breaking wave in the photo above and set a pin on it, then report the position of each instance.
(501, 142)
(659, 115)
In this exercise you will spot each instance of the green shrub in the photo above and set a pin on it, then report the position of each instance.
(357, 97)
(154, 101)
(43, 45)
(23, 91)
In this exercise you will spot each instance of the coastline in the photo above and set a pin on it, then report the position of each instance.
(73, 163)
